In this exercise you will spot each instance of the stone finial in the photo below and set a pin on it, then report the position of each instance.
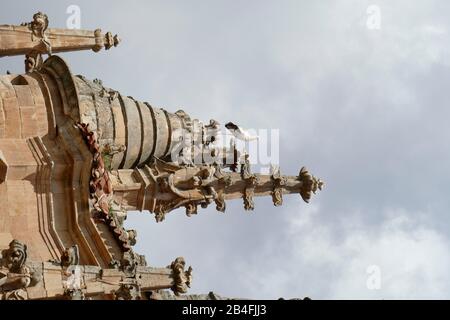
(310, 184)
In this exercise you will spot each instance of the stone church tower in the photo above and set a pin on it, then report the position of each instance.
(75, 156)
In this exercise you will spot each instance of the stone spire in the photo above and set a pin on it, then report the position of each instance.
(156, 160)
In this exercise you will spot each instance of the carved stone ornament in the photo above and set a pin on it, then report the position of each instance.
(15, 257)
(106, 41)
(39, 24)
(70, 256)
(246, 168)
(182, 279)
(33, 59)
(19, 294)
(220, 202)
(248, 199)
(15, 275)
(129, 290)
(111, 41)
(310, 184)
(278, 183)
(251, 180)
(191, 208)
(100, 186)
(130, 261)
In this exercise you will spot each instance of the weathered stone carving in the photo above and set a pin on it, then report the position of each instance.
(182, 279)
(100, 183)
(111, 40)
(277, 197)
(15, 275)
(33, 59)
(14, 281)
(251, 180)
(39, 25)
(106, 41)
(278, 183)
(220, 202)
(127, 237)
(191, 208)
(70, 256)
(105, 209)
(248, 199)
(246, 168)
(15, 257)
(193, 186)
(116, 217)
(129, 263)
(19, 294)
(129, 290)
(310, 184)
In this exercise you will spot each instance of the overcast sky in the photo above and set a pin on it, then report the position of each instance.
(364, 109)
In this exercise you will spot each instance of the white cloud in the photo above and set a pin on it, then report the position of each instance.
(413, 259)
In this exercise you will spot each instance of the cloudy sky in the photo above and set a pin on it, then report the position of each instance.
(364, 109)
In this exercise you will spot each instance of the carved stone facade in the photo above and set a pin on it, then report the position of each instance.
(75, 156)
